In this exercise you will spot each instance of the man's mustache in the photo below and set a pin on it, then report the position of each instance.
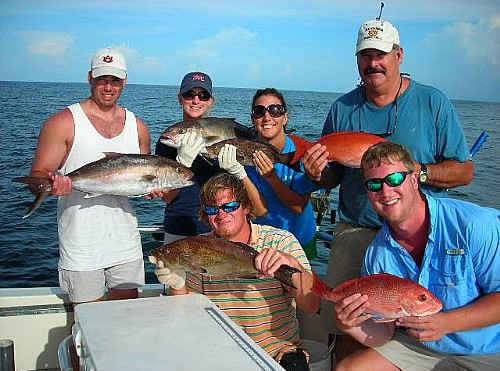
(371, 70)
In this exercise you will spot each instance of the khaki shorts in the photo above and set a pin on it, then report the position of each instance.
(409, 355)
(84, 286)
(346, 258)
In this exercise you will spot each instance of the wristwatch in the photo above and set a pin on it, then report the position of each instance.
(423, 175)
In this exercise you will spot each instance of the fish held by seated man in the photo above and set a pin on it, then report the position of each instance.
(214, 256)
(390, 297)
(131, 175)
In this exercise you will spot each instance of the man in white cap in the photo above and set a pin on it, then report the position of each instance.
(389, 104)
(99, 245)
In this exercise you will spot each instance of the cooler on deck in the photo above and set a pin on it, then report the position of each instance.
(186, 332)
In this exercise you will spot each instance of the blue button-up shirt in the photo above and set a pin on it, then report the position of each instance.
(461, 263)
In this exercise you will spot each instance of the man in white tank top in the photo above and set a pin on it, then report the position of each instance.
(99, 244)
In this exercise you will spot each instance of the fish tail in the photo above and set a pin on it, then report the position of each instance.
(301, 146)
(319, 288)
(284, 275)
(41, 187)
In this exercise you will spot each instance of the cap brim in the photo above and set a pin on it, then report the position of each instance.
(195, 84)
(105, 71)
(374, 44)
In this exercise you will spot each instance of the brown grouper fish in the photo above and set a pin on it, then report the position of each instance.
(390, 297)
(214, 257)
(346, 148)
(245, 149)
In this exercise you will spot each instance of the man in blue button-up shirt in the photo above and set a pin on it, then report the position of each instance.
(449, 246)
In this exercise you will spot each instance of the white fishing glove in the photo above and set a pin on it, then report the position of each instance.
(190, 145)
(228, 162)
(167, 277)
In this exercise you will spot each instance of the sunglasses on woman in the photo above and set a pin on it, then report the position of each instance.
(275, 110)
(203, 95)
(392, 180)
(228, 207)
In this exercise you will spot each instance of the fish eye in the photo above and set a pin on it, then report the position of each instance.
(422, 297)
(182, 131)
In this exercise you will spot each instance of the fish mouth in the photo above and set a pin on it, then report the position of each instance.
(169, 141)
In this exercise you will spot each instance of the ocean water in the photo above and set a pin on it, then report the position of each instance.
(29, 247)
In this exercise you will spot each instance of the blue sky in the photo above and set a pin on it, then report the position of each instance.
(299, 45)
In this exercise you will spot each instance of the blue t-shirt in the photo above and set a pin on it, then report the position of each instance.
(461, 263)
(182, 214)
(423, 120)
(303, 226)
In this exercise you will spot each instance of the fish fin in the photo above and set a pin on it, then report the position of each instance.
(41, 187)
(319, 288)
(38, 200)
(301, 146)
(91, 195)
(112, 154)
(148, 178)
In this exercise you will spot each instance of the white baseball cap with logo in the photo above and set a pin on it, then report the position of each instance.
(108, 61)
(376, 34)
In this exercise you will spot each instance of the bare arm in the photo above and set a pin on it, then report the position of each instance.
(54, 143)
(449, 173)
(482, 313)
(144, 137)
(294, 201)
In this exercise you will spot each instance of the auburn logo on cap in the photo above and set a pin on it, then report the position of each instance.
(107, 59)
(198, 77)
(373, 32)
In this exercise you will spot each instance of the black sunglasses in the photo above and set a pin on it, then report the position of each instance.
(203, 95)
(275, 110)
(392, 180)
(228, 207)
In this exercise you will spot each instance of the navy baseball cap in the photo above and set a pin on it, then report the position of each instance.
(196, 80)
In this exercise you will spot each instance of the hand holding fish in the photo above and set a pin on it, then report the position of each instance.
(190, 145)
(167, 277)
(269, 260)
(427, 328)
(61, 185)
(315, 160)
(264, 164)
(227, 161)
(351, 311)
(166, 195)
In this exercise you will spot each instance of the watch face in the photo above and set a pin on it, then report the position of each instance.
(422, 177)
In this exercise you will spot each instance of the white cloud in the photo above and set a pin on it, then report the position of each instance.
(236, 37)
(52, 44)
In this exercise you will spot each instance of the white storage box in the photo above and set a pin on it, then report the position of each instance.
(185, 332)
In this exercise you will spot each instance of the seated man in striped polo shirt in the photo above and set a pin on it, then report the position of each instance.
(265, 308)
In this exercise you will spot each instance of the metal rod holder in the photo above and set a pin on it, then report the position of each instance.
(7, 355)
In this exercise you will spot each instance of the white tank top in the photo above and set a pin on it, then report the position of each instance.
(97, 232)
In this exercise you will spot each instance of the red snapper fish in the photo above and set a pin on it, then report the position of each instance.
(390, 297)
(346, 148)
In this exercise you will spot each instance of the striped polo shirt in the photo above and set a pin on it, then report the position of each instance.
(264, 308)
